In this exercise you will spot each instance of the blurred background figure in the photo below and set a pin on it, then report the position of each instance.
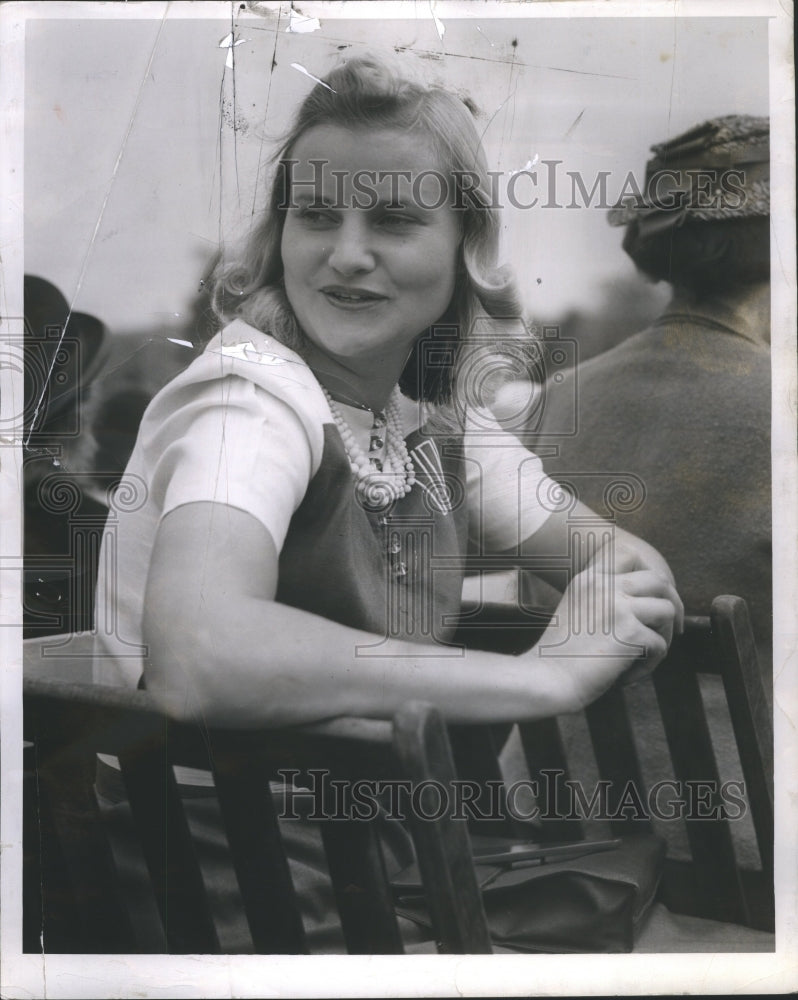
(86, 390)
(63, 353)
(685, 404)
(668, 432)
(115, 425)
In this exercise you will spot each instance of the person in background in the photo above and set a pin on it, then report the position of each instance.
(64, 352)
(668, 433)
(684, 406)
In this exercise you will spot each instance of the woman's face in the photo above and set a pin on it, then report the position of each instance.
(371, 263)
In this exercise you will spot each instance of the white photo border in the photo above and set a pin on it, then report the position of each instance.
(29, 975)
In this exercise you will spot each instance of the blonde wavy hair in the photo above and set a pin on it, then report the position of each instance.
(377, 92)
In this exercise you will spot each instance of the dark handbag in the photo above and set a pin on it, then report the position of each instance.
(559, 900)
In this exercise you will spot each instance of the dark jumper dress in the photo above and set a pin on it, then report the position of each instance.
(336, 562)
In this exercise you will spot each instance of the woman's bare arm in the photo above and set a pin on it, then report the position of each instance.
(221, 647)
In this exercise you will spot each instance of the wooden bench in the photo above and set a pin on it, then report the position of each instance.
(70, 884)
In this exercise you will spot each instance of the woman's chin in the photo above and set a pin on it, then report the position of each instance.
(366, 345)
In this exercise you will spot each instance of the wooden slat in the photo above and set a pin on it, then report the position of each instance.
(618, 762)
(81, 905)
(547, 764)
(750, 715)
(261, 866)
(168, 848)
(344, 728)
(476, 759)
(362, 891)
(442, 845)
(715, 869)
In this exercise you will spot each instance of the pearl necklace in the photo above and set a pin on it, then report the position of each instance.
(378, 484)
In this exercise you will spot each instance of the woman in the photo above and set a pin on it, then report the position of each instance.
(333, 298)
(688, 434)
(274, 569)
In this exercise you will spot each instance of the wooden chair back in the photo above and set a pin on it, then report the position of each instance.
(711, 882)
(71, 886)
(67, 854)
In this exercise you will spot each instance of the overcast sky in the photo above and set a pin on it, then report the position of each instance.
(133, 168)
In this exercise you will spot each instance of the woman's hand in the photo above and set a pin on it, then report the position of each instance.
(609, 624)
(628, 552)
(632, 553)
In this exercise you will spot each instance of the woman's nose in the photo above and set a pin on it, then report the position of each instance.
(351, 251)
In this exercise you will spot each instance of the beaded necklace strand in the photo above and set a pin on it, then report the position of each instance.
(378, 483)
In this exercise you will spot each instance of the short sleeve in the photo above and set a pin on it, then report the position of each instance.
(232, 442)
(506, 486)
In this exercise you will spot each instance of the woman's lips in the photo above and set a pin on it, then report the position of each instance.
(351, 298)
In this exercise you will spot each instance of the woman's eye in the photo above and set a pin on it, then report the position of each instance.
(396, 221)
(316, 217)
